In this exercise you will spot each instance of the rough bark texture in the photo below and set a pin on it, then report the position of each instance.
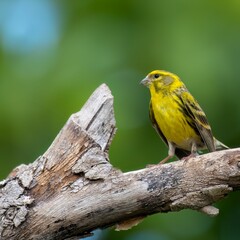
(72, 188)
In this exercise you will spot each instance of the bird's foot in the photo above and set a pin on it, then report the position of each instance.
(165, 160)
(161, 162)
(190, 156)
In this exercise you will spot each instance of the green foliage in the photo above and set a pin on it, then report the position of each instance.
(119, 42)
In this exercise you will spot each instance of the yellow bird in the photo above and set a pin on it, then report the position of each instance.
(177, 116)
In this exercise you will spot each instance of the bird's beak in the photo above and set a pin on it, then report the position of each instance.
(145, 81)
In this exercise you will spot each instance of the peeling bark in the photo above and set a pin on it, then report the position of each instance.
(73, 189)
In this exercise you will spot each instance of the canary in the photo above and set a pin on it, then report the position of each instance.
(177, 117)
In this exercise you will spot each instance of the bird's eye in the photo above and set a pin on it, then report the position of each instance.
(156, 75)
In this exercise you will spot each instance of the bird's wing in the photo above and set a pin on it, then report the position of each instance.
(198, 118)
(180, 153)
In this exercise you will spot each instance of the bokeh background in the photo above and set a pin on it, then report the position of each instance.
(54, 54)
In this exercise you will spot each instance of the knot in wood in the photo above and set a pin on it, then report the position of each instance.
(238, 163)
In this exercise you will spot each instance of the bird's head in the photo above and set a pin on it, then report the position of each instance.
(160, 79)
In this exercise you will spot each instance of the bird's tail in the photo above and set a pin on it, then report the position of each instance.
(219, 145)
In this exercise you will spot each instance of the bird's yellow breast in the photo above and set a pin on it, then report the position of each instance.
(172, 121)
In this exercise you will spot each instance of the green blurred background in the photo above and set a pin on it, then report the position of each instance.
(54, 54)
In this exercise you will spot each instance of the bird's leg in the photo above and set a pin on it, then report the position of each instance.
(171, 152)
(194, 149)
(193, 152)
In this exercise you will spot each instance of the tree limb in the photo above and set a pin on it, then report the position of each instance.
(73, 189)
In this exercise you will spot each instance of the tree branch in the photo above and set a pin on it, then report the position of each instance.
(72, 188)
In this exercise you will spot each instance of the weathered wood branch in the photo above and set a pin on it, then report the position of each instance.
(73, 189)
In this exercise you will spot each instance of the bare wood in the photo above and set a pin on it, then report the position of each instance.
(72, 188)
